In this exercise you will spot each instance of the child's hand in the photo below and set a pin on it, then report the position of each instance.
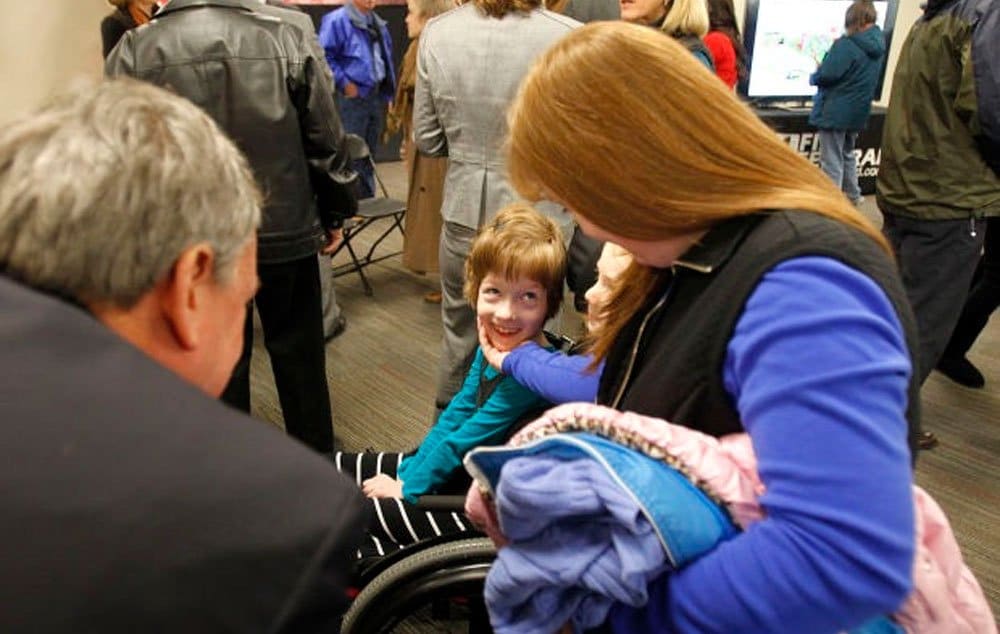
(382, 486)
(493, 356)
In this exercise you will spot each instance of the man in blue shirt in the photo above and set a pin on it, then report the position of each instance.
(359, 51)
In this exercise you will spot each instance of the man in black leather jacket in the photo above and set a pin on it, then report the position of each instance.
(259, 79)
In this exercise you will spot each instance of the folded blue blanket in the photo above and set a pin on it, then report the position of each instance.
(581, 538)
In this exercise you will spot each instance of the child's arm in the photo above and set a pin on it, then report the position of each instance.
(489, 425)
(556, 377)
(461, 407)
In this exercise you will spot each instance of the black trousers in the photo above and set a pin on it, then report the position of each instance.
(937, 259)
(290, 308)
(984, 296)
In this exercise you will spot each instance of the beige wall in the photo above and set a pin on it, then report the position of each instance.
(907, 13)
(44, 44)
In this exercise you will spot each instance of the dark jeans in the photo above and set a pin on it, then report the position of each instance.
(364, 116)
(291, 316)
(984, 296)
(936, 261)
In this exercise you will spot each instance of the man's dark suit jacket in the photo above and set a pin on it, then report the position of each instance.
(132, 502)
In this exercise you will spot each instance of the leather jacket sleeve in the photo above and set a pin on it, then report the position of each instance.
(323, 140)
(120, 61)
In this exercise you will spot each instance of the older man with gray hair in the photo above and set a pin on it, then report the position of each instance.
(132, 499)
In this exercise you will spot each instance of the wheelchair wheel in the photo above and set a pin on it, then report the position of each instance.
(453, 571)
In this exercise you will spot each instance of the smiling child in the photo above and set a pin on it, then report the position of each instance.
(514, 279)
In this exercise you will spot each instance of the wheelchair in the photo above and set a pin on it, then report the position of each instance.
(439, 580)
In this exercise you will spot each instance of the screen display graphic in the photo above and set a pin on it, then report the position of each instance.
(789, 40)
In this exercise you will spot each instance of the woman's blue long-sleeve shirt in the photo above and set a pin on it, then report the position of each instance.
(559, 378)
(462, 426)
(818, 369)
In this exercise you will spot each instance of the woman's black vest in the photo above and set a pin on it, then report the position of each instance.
(668, 360)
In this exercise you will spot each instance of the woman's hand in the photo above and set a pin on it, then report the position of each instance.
(382, 486)
(493, 356)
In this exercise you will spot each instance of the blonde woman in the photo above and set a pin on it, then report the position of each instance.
(128, 14)
(687, 22)
(759, 301)
(426, 173)
(683, 20)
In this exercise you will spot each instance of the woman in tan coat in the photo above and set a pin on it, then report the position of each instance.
(426, 173)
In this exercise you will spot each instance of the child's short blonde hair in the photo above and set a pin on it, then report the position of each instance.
(519, 242)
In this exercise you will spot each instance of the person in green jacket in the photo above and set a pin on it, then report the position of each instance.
(939, 177)
(847, 78)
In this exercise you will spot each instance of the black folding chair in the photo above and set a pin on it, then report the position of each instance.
(370, 211)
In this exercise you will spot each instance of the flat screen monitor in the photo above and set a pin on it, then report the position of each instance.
(786, 40)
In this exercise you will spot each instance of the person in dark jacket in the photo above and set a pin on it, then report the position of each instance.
(259, 79)
(684, 20)
(132, 499)
(127, 15)
(939, 177)
(847, 78)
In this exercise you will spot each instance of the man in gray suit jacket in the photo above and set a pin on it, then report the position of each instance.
(469, 65)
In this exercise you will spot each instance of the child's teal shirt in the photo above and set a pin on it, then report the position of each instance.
(463, 426)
